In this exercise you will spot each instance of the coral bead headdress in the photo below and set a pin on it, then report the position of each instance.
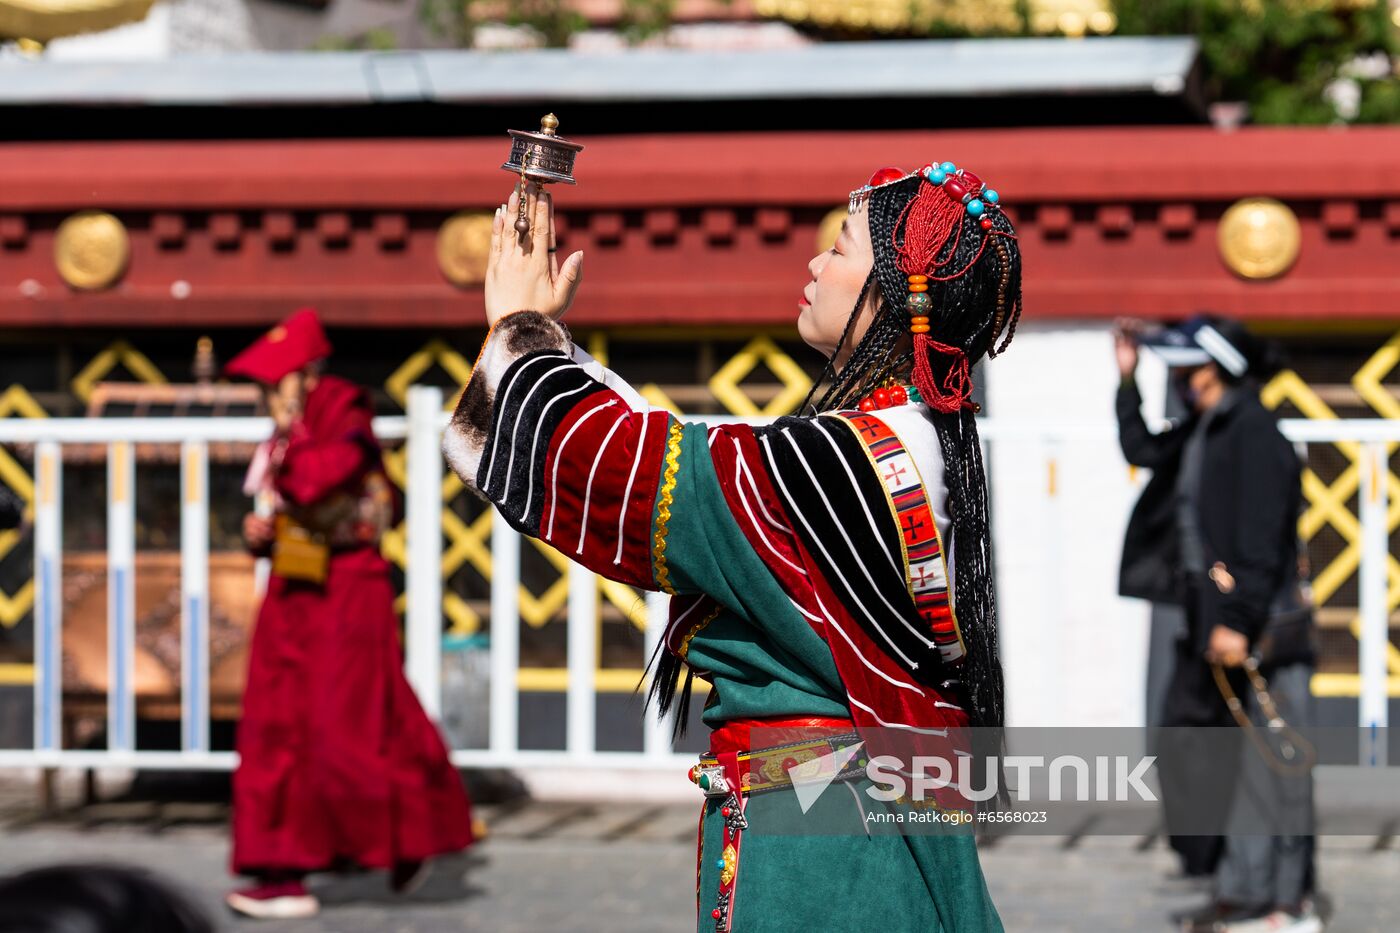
(937, 242)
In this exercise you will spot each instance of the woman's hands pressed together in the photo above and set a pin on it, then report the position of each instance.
(522, 272)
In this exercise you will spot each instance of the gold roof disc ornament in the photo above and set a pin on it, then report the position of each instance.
(464, 240)
(1259, 238)
(91, 250)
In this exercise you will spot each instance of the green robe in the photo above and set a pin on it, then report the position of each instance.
(764, 660)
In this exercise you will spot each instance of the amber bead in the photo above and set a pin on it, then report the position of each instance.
(915, 289)
(918, 279)
(921, 319)
(919, 329)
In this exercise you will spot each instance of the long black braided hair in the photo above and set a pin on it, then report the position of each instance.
(971, 313)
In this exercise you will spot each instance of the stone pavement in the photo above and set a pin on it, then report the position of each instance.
(583, 868)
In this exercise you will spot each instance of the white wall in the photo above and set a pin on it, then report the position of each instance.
(148, 39)
(1074, 652)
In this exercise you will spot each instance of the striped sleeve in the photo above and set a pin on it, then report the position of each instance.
(564, 457)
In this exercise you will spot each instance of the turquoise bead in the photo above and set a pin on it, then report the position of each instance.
(990, 195)
(719, 863)
(937, 176)
(948, 167)
(974, 207)
(704, 782)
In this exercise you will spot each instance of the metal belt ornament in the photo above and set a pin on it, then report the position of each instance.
(723, 782)
(729, 778)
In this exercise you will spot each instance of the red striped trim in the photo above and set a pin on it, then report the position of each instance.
(922, 542)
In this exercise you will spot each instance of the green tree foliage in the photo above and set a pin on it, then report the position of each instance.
(1292, 61)
(553, 21)
(373, 40)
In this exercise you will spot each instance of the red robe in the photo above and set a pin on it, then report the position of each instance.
(337, 761)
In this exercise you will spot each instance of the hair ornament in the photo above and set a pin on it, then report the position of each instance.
(925, 241)
(885, 176)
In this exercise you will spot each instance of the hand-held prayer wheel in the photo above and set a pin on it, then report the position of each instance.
(541, 157)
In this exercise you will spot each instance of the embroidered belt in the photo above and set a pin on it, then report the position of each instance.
(767, 769)
(730, 774)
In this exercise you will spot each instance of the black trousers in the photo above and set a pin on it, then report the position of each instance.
(1197, 768)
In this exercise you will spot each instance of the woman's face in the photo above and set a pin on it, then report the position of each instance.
(837, 277)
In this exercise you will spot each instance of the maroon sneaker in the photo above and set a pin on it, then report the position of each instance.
(281, 900)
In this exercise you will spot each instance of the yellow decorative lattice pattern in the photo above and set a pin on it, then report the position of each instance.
(1327, 503)
(100, 366)
(468, 543)
(462, 540)
(433, 353)
(725, 383)
(16, 403)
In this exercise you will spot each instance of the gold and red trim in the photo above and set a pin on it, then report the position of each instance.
(925, 565)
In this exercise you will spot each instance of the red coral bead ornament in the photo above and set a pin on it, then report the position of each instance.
(898, 396)
(885, 175)
(962, 186)
(867, 404)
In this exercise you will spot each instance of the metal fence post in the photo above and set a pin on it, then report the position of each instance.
(582, 700)
(194, 596)
(1375, 613)
(423, 574)
(505, 636)
(656, 738)
(121, 596)
(48, 597)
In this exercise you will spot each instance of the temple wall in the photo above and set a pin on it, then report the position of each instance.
(1058, 517)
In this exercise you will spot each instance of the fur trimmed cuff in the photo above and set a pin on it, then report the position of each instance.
(513, 336)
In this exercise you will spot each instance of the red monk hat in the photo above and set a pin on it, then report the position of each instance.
(292, 345)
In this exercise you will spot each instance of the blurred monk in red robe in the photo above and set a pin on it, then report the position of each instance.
(338, 764)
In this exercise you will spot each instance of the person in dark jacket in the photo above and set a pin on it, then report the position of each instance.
(1215, 534)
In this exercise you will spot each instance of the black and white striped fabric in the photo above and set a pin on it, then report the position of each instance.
(534, 396)
(840, 511)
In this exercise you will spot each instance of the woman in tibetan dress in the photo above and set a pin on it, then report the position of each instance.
(813, 586)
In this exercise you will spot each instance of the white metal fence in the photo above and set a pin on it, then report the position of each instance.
(421, 429)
